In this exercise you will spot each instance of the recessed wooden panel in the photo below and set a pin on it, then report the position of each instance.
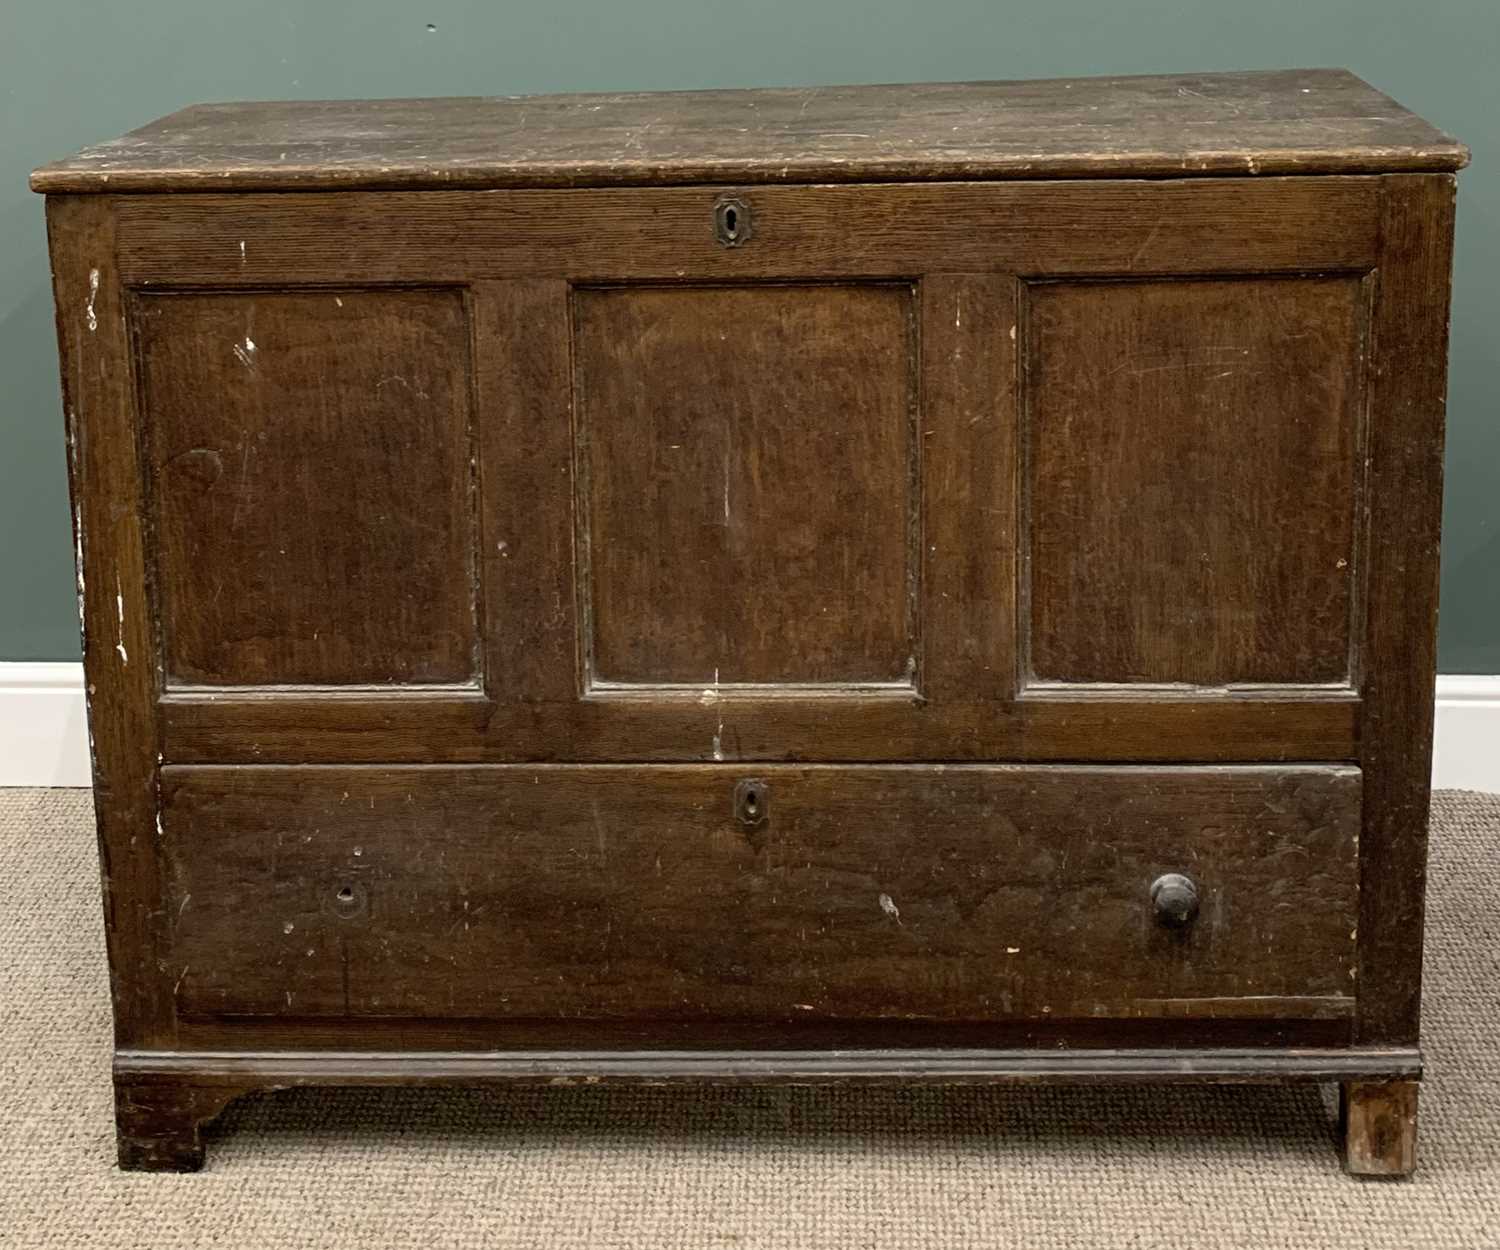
(747, 465)
(311, 485)
(1192, 465)
(860, 893)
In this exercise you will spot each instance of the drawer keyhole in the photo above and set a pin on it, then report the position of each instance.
(349, 899)
(752, 802)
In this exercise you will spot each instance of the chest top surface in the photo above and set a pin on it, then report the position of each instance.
(1280, 122)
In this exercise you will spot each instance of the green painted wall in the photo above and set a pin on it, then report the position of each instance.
(78, 71)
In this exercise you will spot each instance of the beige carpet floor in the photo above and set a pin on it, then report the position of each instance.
(802, 1169)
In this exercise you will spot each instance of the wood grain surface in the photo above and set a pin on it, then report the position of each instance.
(749, 484)
(1192, 479)
(960, 893)
(1284, 121)
(1038, 495)
(315, 523)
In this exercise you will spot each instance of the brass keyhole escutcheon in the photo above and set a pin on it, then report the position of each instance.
(731, 220)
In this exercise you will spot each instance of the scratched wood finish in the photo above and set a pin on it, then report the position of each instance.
(1406, 473)
(1063, 230)
(1378, 1122)
(1217, 423)
(732, 532)
(974, 893)
(110, 539)
(159, 1124)
(865, 724)
(313, 523)
(1273, 1030)
(1193, 226)
(230, 1071)
(1288, 121)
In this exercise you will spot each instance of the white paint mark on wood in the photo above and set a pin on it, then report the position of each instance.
(120, 610)
(718, 742)
(89, 313)
(246, 354)
(242, 251)
(888, 905)
(1012, 950)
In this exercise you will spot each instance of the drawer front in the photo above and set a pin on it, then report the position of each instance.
(476, 488)
(787, 893)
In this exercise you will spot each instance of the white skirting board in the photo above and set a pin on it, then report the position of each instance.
(44, 735)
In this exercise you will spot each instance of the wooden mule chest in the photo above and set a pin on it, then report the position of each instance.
(921, 583)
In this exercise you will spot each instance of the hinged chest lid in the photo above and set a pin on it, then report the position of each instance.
(1282, 122)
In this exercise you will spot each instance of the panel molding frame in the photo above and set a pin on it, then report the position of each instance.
(594, 688)
(554, 239)
(133, 296)
(44, 740)
(1028, 686)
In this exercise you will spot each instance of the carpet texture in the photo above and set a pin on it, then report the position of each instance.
(1134, 1167)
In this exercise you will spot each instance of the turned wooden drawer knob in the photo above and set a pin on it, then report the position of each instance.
(1175, 898)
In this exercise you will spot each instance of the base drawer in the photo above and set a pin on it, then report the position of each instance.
(786, 892)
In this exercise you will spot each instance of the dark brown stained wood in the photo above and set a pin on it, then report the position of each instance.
(1284, 121)
(870, 725)
(311, 490)
(747, 484)
(967, 442)
(961, 893)
(159, 1123)
(104, 476)
(831, 564)
(1378, 1121)
(163, 1098)
(146, 1070)
(1400, 646)
(706, 1035)
(972, 621)
(1191, 480)
(1190, 226)
(524, 386)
